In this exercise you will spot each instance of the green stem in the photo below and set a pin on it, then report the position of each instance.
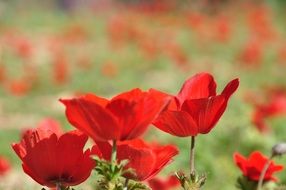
(264, 170)
(192, 155)
(113, 155)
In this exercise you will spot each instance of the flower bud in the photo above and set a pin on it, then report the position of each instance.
(279, 149)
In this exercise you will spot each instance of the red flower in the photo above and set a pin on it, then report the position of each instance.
(163, 184)
(252, 167)
(222, 29)
(4, 166)
(146, 159)
(124, 117)
(252, 53)
(60, 68)
(275, 106)
(50, 158)
(3, 73)
(198, 107)
(19, 87)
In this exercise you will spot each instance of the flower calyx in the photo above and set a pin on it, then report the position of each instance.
(194, 182)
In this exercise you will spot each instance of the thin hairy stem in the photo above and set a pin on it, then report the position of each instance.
(264, 170)
(192, 155)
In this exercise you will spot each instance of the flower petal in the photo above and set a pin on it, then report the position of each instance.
(141, 159)
(201, 85)
(134, 117)
(230, 88)
(206, 112)
(178, 123)
(91, 118)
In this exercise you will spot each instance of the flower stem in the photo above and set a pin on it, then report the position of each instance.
(126, 184)
(192, 155)
(113, 154)
(58, 186)
(264, 170)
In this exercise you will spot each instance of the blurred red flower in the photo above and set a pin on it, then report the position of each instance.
(177, 54)
(198, 107)
(125, 116)
(252, 167)
(164, 184)
(60, 68)
(4, 166)
(222, 29)
(19, 87)
(109, 69)
(146, 159)
(51, 158)
(261, 24)
(252, 53)
(23, 47)
(275, 106)
(2, 73)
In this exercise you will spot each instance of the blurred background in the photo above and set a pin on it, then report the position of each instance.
(64, 48)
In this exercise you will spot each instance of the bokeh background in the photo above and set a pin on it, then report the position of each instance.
(65, 48)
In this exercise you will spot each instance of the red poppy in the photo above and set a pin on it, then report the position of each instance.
(124, 117)
(198, 107)
(222, 28)
(4, 166)
(60, 68)
(164, 184)
(146, 159)
(23, 47)
(252, 167)
(176, 53)
(19, 87)
(51, 159)
(275, 106)
(252, 53)
(261, 24)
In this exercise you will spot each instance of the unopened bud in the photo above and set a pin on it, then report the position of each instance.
(279, 149)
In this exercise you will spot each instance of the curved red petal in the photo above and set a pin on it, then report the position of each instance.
(178, 123)
(201, 85)
(69, 151)
(205, 112)
(35, 177)
(135, 116)
(171, 104)
(91, 118)
(96, 99)
(241, 162)
(141, 159)
(164, 156)
(132, 95)
(104, 148)
(230, 88)
(82, 168)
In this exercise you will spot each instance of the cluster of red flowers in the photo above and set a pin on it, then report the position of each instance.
(26, 50)
(56, 159)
